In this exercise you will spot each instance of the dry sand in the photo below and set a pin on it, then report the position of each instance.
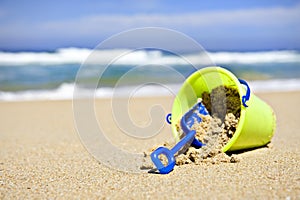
(41, 156)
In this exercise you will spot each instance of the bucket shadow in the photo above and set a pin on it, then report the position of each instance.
(237, 152)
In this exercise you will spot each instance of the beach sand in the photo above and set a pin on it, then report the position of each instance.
(41, 156)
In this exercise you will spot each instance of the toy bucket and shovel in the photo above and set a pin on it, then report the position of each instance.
(255, 128)
(257, 120)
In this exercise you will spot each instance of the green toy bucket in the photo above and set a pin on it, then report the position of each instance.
(257, 121)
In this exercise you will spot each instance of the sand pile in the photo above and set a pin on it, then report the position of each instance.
(221, 101)
(214, 134)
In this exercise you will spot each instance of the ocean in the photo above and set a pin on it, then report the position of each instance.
(145, 72)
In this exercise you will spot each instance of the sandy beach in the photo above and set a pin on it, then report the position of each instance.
(42, 157)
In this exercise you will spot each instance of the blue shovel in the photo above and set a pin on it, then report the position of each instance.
(186, 123)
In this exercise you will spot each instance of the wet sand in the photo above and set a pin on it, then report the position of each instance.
(41, 156)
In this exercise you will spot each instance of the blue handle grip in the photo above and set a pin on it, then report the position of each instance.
(169, 118)
(246, 97)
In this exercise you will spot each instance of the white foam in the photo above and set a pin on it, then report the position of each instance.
(129, 57)
(276, 85)
(65, 91)
(78, 56)
(61, 56)
(256, 57)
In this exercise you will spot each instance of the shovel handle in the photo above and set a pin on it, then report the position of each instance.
(170, 154)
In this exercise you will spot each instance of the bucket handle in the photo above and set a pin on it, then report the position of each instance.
(246, 97)
(169, 118)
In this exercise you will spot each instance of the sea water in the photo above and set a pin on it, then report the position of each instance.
(52, 75)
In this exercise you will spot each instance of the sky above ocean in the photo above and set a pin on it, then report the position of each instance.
(231, 25)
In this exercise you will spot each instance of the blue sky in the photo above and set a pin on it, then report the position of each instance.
(217, 25)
